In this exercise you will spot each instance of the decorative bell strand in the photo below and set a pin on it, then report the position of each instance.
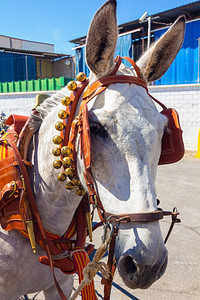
(69, 172)
(81, 77)
(66, 101)
(62, 114)
(69, 185)
(62, 176)
(56, 151)
(59, 126)
(66, 150)
(67, 161)
(57, 139)
(57, 164)
(72, 85)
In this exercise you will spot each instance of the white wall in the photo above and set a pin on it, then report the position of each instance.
(184, 98)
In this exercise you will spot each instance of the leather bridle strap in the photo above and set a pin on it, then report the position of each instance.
(43, 237)
(135, 217)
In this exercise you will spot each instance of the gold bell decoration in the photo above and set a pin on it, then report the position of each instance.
(66, 150)
(80, 191)
(62, 114)
(69, 185)
(57, 139)
(62, 176)
(56, 151)
(66, 101)
(57, 164)
(81, 77)
(67, 161)
(59, 126)
(76, 181)
(72, 85)
(69, 172)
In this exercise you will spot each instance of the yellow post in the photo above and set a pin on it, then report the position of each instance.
(198, 147)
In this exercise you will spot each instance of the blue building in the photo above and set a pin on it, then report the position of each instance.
(134, 38)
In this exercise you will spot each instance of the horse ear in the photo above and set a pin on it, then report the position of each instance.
(102, 39)
(156, 61)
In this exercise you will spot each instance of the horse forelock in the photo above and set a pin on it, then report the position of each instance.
(46, 107)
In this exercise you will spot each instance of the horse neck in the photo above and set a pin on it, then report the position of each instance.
(56, 205)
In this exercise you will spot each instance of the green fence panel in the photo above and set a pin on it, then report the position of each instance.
(23, 86)
(5, 87)
(17, 86)
(37, 84)
(51, 84)
(44, 84)
(31, 85)
(11, 88)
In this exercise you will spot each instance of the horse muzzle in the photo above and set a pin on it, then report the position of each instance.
(136, 273)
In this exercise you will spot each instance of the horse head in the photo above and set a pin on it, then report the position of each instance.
(126, 134)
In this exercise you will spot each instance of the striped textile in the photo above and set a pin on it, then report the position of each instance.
(81, 260)
(71, 231)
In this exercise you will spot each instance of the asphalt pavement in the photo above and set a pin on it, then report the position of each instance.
(177, 185)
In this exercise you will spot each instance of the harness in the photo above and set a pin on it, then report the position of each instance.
(18, 209)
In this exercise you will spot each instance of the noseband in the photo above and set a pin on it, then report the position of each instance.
(79, 128)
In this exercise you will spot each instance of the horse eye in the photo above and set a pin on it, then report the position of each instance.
(98, 130)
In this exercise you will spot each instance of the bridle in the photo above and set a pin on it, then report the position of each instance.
(79, 128)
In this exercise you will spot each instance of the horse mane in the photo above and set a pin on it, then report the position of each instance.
(46, 107)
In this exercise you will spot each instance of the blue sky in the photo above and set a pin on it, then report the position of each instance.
(57, 22)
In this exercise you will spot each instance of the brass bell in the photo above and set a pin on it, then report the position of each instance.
(69, 172)
(66, 101)
(62, 176)
(69, 185)
(80, 191)
(62, 114)
(66, 150)
(81, 76)
(72, 85)
(57, 164)
(67, 161)
(59, 126)
(56, 151)
(57, 139)
(76, 181)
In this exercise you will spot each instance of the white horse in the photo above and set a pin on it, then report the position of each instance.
(124, 168)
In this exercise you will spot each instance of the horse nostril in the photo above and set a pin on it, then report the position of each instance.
(127, 265)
